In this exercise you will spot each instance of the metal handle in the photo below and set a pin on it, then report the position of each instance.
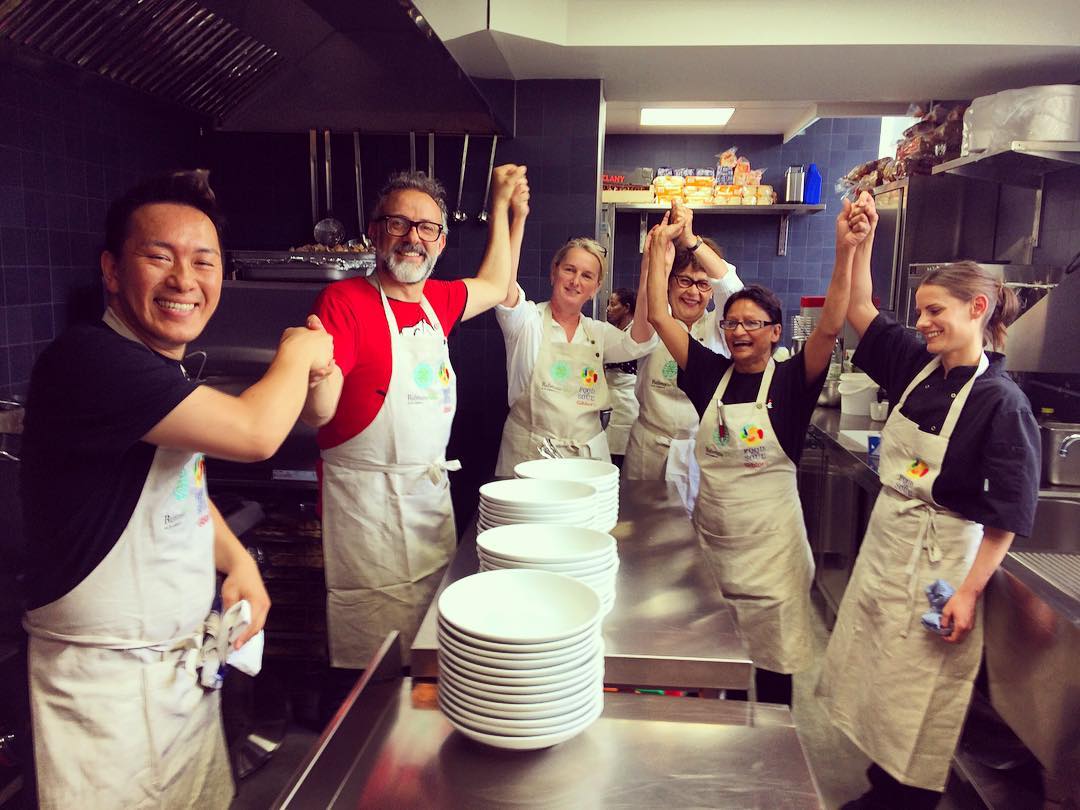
(461, 176)
(412, 151)
(431, 155)
(326, 158)
(313, 160)
(359, 182)
(1066, 443)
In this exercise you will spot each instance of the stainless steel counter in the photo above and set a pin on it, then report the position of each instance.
(670, 626)
(390, 746)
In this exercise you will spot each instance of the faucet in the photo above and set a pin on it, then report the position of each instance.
(1066, 443)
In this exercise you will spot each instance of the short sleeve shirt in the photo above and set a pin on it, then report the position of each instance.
(352, 312)
(93, 395)
(990, 473)
(791, 400)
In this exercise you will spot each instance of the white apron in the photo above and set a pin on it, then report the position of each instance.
(750, 523)
(661, 444)
(118, 721)
(562, 403)
(387, 518)
(899, 692)
(624, 408)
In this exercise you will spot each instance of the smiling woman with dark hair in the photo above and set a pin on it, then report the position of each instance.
(753, 416)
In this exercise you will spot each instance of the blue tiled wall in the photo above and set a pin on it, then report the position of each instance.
(749, 242)
(67, 146)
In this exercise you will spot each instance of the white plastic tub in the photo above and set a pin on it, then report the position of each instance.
(857, 391)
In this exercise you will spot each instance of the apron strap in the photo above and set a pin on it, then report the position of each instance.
(961, 397)
(435, 471)
(762, 394)
(391, 321)
(925, 539)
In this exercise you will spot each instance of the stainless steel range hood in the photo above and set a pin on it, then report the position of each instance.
(265, 65)
(1046, 338)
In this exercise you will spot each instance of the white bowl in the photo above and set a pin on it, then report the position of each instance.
(568, 516)
(456, 668)
(518, 649)
(526, 542)
(519, 606)
(513, 660)
(592, 471)
(519, 492)
(534, 743)
(494, 564)
(534, 691)
(529, 669)
(512, 727)
(524, 697)
(539, 708)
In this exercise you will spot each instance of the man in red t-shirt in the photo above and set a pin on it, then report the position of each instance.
(385, 413)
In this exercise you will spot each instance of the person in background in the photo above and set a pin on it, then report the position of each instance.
(123, 539)
(621, 377)
(555, 358)
(386, 411)
(959, 473)
(753, 418)
(661, 445)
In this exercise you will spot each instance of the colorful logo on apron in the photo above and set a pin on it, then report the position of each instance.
(751, 435)
(670, 370)
(917, 469)
(719, 437)
(560, 370)
(423, 375)
(444, 374)
(589, 377)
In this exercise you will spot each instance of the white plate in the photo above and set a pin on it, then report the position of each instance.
(519, 606)
(533, 669)
(519, 492)
(527, 743)
(532, 543)
(488, 565)
(517, 648)
(539, 708)
(525, 727)
(495, 658)
(524, 696)
(592, 471)
(598, 565)
(569, 516)
(457, 668)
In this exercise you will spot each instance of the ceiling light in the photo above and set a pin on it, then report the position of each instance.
(685, 116)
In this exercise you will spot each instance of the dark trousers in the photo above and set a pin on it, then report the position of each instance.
(772, 687)
(890, 794)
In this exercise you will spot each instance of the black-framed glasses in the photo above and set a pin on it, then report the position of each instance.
(400, 226)
(686, 282)
(729, 325)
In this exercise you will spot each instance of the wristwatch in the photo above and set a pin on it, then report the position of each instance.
(696, 245)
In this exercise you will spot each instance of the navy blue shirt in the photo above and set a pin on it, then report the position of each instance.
(990, 473)
(93, 395)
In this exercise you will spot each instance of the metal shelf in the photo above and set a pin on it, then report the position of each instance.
(1021, 163)
(785, 209)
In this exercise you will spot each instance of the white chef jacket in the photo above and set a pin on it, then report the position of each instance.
(522, 327)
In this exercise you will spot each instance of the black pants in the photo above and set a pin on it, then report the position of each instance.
(772, 687)
(889, 794)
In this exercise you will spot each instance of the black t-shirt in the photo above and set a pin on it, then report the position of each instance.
(791, 400)
(93, 395)
(990, 473)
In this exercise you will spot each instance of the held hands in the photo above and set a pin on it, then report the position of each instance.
(317, 375)
(312, 341)
(519, 200)
(505, 180)
(661, 239)
(959, 614)
(682, 214)
(852, 225)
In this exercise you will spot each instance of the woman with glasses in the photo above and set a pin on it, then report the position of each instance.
(753, 416)
(661, 441)
(555, 356)
(959, 472)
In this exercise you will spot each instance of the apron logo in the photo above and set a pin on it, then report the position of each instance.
(670, 370)
(444, 374)
(560, 370)
(183, 486)
(751, 435)
(589, 377)
(917, 469)
(423, 376)
(753, 457)
(172, 522)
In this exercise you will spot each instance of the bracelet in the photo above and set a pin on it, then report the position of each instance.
(696, 245)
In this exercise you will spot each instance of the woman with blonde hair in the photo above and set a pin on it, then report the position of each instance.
(555, 355)
(959, 470)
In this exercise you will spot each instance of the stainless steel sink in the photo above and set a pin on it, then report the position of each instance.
(1057, 527)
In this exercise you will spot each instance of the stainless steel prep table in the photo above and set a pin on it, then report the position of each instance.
(670, 626)
(390, 746)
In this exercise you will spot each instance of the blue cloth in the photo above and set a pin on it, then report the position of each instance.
(938, 593)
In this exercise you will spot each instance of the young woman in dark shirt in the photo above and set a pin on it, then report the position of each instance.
(959, 471)
(753, 413)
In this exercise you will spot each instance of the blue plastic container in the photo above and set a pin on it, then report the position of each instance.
(812, 185)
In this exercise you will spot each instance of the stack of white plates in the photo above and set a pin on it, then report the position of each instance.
(566, 503)
(588, 555)
(600, 474)
(521, 658)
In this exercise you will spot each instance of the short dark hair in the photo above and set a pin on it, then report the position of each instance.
(763, 297)
(190, 187)
(414, 181)
(627, 296)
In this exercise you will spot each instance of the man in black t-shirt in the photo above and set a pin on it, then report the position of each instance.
(122, 539)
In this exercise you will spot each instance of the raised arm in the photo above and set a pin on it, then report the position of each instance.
(852, 228)
(661, 254)
(519, 210)
(704, 256)
(861, 310)
(488, 287)
(641, 330)
(252, 426)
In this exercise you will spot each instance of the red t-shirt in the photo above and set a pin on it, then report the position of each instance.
(352, 312)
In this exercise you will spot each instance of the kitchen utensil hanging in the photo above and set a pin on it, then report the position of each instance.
(412, 151)
(329, 231)
(482, 217)
(431, 155)
(459, 214)
(362, 240)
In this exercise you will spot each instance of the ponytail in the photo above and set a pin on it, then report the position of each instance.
(965, 280)
(1005, 311)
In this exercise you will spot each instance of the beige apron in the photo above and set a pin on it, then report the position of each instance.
(624, 406)
(898, 691)
(118, 720)
(566, 393)
(661, 444)
(750, 523)
(387, 518)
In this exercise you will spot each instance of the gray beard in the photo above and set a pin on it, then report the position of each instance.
(406, 272)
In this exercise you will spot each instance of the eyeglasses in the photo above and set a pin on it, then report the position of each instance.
(729, 325)
(591, 242)
(400, 226)
(686, 282)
